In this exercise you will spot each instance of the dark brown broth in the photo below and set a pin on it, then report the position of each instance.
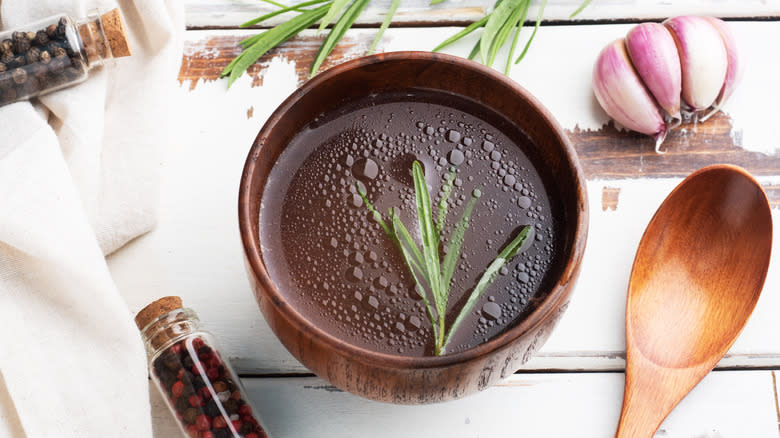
(330, 259)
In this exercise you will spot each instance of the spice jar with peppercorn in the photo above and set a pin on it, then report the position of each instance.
(200, 387)
(57, 52)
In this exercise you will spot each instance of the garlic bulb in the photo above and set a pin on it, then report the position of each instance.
(654, 54)
(622, 94)
(734, 71)
(702, 58)
(685, 65)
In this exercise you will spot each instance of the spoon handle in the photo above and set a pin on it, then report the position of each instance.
(651, 392)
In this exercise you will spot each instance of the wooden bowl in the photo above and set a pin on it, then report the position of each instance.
(398, 379)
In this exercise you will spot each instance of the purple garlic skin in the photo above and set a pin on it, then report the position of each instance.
(703, 59)
(734, 70)
(653, 53)
(622, 94)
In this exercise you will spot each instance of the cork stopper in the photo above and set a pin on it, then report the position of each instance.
(114, 28)
(156, 309)
(104, 37)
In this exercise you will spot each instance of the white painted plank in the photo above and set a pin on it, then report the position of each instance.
(727, 404)
(231, 13)
(195, 251)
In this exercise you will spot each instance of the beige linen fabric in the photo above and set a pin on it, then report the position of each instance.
(78, 179)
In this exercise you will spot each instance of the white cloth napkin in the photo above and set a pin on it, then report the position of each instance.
(78, 179)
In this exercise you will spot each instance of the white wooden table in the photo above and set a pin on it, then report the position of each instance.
(573, 387)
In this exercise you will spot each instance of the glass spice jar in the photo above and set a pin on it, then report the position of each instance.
(200, 387)
(57, 52)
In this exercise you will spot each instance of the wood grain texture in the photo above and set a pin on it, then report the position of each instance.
(726, 404)
(195, 252)
(696, 279)
(231, 13)
(404, 379)
(607, 153)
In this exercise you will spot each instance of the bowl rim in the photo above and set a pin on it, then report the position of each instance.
(250, 240)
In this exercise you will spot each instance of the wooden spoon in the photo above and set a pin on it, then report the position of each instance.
(696, 278)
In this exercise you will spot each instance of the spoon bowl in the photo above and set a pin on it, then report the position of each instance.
(697, 276)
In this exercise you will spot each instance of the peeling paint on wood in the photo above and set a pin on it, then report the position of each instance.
(609, 198)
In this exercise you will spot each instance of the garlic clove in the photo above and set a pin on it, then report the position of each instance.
(623, 96)
(734, 70)
(702, 57)
(653, 53)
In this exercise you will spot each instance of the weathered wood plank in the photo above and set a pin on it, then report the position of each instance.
(231, 13)
(725, 404)
(607, 153)
(195, 250)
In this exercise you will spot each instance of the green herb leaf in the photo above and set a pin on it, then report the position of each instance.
(408, 251)
(298, 8)
(385, 25)
(443, 205)
(455, 243)
(377, 215)
(271, 39)
(470, 28)
(490, 274)
(474, 52)
(337, 33)
(533, 34)
(580, 9)
(496, 19)
(405, 239)
(435, 2)
(503, 32)
(520, 22)
(335, 8)
(430, 239)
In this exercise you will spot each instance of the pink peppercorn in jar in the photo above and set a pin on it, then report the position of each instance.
(199, 386)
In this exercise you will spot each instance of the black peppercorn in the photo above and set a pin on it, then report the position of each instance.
(7, 46)
(247, 428)
(30, 35)
(72, 73)
(19, 76)
(21, 45)
(45, 57)
(231, 406)
(61, 27)
(222, 433)
(212, 409)
(59, 52)
(3, 68)
(189, 415)
(51, 30)
(33, 55)
(17, 61)
(182, 404)
(41, 38)
(7, 57)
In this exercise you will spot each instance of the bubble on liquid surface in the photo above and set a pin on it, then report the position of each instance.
(455, 157)
(491, 310)
(365, 168)
(524, 202)
(453, 136)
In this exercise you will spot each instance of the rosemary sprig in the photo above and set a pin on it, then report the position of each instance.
(385, 24)
(498, 24)
(338, 31)
(506, 16)
(429, 272)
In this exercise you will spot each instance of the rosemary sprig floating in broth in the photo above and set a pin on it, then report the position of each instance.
(431, 274)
